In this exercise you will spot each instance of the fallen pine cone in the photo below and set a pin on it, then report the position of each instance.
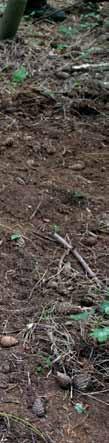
(38, 407)
(63, 379)
(68, 308)
(7, 341)
(82, 380)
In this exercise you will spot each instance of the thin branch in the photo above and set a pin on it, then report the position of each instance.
(94, 398)
(76, 254)
(86, 66)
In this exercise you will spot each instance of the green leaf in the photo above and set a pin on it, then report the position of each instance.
(62, 46)
(19, 75)
(40, 369)
(68, 30)
(79, 408)
(55, 228)
(15, 236)
(85, 55)
(82, 315)
(104, 307)
(48, 361)
(101, 334)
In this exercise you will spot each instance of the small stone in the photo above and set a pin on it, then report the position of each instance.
(78, 166)
(30, 162)
(51, 55)
(20, 181)
(46, 220)
(62, 75)
(67, 68)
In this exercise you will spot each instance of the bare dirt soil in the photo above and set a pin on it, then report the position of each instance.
(54, 175)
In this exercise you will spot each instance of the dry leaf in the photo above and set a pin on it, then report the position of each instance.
(7, 341)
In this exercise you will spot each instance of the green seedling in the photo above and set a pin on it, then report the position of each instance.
(56, 228)
(77, 197)
(79, 408)
(47, 362)
(82, 315)
(15, 236)
(100, 334)
(19, 75)
(40, 370)
(68, 31)
(104, 307)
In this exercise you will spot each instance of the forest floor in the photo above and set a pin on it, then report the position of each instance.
(54, 177)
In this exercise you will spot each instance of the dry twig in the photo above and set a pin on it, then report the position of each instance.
(76, 254)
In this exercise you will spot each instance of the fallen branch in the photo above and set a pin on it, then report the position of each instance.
(85, 67)
(76, 254)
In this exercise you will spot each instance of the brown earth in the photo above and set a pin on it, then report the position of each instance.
(54, 173)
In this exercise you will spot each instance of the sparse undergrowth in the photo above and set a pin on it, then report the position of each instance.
(54, 170)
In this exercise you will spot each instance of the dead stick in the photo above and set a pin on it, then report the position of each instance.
(78, 256)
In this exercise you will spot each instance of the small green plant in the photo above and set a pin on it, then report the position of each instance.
(85, 55)
(46, 364)
(68, 31)
(79, 408)
(47, 361)
(19, 75)
(56, 228)
(77, 197)
(104, 307)
(60, 46)
(82, 315)
(15, 236)
(100, 334)
(40, 369)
